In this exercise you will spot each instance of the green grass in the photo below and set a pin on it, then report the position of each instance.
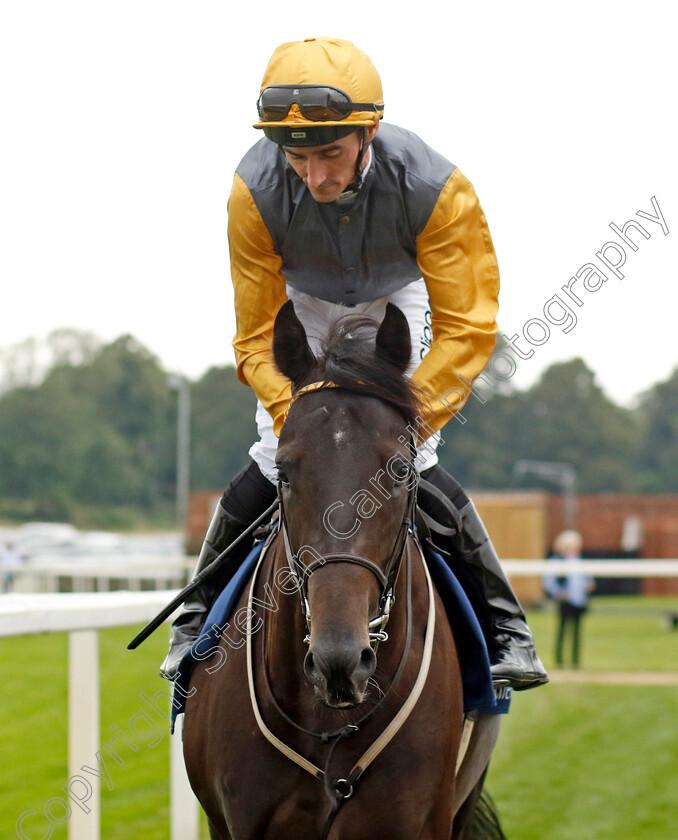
(33, 724)
(617, 634)
(574, 761)
(589, 761)
(595, 761)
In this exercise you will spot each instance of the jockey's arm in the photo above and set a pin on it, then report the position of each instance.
(259, 289)
(457, 260)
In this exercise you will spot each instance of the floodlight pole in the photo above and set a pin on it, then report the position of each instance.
(563, 474)
(180, 384)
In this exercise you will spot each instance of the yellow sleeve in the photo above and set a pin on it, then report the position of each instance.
(458, 263)
(259, 289)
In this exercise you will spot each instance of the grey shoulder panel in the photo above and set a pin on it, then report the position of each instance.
(419, 170)
(268, 178)
(261, 166)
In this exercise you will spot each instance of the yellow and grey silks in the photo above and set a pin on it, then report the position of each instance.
(415, 216)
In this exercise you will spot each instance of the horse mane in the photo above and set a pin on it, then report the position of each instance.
(348, 359)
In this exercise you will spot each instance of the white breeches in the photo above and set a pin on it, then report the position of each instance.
(316, 316)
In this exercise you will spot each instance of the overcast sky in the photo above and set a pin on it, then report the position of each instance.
(122, 124)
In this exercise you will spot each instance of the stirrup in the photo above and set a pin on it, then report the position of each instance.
(520, 675)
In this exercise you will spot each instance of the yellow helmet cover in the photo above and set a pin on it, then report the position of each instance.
(325, 61)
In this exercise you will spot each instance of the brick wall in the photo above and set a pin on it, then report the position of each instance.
(602, 520)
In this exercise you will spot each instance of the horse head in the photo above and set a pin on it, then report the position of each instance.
(346, 485)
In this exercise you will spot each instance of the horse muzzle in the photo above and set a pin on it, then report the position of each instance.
(339, 674)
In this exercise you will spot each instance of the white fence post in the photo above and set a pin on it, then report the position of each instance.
(184, 811)
(83, 734)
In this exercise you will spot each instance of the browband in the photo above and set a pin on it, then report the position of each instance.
(313, 386)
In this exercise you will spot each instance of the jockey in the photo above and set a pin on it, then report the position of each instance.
(339, 212)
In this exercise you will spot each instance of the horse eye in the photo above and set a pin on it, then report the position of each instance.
(283, 479)
(402, 473)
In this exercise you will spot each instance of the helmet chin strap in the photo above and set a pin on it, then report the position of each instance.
(358, 175)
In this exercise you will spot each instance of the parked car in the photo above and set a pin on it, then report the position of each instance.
(35, 538)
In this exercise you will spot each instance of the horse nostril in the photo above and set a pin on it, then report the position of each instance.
(309, 665)
(368, 661)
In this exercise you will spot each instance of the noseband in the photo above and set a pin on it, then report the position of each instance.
(386, 577)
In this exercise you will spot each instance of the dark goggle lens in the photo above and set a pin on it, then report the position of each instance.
(326, 104)
(315, 103)
(274, 104)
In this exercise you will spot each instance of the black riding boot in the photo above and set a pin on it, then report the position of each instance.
(186, 627)
(513, 657)
(246, 498)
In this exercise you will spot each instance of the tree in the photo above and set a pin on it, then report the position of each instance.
(570, 419)
(28, 362)
(39, 451)
(222, 427)
(99, 432)
(564, 417)
(132, 398)
(657, 459)
(481, 452)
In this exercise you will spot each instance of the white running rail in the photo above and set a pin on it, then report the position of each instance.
(82, 616)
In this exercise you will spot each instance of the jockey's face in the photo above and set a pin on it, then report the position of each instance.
(328, 170)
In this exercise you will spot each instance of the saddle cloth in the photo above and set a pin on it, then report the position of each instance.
(479, 694)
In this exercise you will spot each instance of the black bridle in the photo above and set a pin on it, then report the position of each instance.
(386, 576)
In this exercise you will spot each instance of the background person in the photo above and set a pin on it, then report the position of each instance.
(10, 562)
(571, 591)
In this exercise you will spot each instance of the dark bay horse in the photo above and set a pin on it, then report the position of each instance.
(296, 731)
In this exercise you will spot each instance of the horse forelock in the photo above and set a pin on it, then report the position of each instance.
(349, 360)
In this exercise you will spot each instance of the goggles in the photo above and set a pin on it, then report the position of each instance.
(317, 103)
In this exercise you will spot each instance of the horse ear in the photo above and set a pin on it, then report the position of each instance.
(291, 351)
(393, 343)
